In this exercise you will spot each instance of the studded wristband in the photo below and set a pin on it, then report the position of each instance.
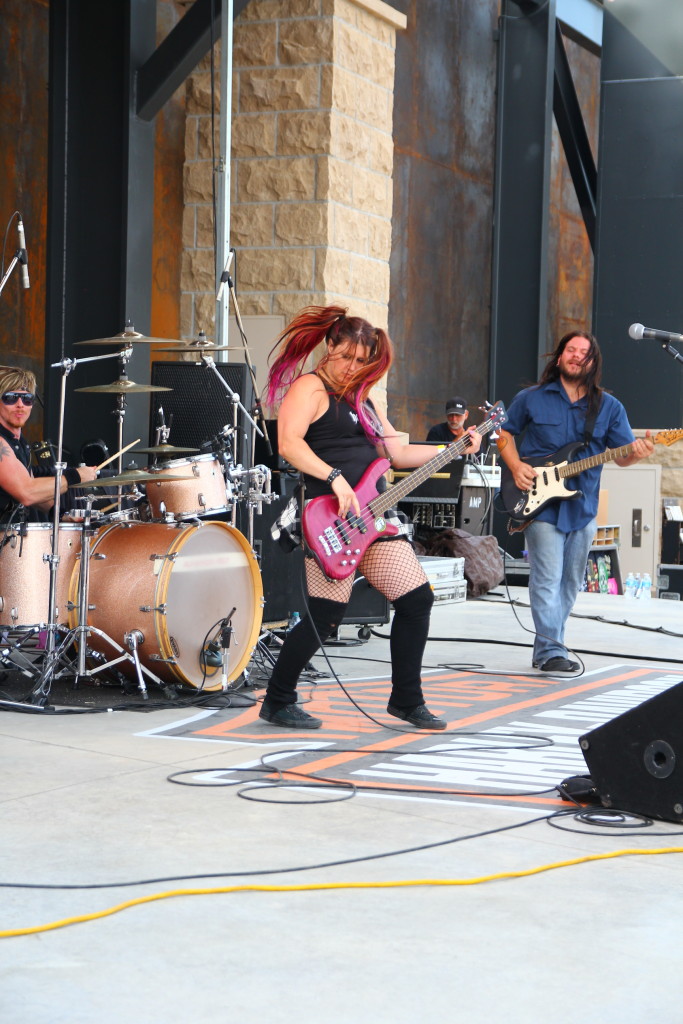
(333, 475)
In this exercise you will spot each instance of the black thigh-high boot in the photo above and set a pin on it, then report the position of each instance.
(409, 632)
(299, 647)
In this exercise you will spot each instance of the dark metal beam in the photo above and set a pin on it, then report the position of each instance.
(519, 289)
(572, 129)
(179, 54)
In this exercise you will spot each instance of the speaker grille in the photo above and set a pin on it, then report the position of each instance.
(200, 405)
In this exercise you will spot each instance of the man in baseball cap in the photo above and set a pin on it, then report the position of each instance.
(454, 427)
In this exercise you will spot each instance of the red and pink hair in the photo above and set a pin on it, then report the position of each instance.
(316, 324)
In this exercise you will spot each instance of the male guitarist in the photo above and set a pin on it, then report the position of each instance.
(566, 405)
(330, 430)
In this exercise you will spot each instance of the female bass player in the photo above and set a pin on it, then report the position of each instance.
(329, 429)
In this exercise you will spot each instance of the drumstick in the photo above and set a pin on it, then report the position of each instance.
(112, 457)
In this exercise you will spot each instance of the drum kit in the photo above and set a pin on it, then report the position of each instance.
(154, 587)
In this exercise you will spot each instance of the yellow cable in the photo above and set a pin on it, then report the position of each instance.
(317, 887)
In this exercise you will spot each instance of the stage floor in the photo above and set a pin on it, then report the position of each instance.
(186, 801)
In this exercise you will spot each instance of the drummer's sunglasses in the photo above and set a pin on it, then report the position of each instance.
(12, 397)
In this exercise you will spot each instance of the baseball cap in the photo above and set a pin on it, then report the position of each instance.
(456, 405)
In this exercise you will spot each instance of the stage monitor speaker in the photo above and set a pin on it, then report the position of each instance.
(200, 405)
(636, 760)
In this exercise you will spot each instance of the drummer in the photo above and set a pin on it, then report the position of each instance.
(18, 484)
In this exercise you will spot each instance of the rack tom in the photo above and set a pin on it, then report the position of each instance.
(207, 493)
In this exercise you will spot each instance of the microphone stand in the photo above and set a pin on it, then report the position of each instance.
(19, 259)
(668, 347)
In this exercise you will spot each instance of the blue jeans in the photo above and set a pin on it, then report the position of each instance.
(557, 564)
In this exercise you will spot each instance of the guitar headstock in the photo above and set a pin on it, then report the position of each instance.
(668, 437)
(495, 416)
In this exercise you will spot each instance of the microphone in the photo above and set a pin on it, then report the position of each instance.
(23, 255)
(638, 332)
(225, 276)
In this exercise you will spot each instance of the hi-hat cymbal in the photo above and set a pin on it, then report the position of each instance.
(204, 349)
(164, 449)
(129, 476)
(128, 337)
(122, 386)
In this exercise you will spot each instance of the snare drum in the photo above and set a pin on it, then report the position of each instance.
(173, 584)
(206, 494)
(25, 573)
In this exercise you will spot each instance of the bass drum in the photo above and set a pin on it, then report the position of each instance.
(25, 572)
(173, 584)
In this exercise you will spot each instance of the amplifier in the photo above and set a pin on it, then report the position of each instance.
(670, 582)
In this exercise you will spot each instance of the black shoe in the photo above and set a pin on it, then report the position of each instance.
(291, 716)
(559, 664)
(420, 716)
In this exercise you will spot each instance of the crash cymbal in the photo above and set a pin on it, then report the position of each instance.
(128, 337)
(164, 449)
(122, 386)
(129, 476)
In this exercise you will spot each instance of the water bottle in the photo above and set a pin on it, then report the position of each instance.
(645, 590)
(630, 586)
(294, 621)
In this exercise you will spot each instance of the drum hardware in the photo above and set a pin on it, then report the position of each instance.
(133, 638)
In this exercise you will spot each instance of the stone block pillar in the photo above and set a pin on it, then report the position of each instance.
(312, 162)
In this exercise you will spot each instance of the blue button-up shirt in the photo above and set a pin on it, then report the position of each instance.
(550, 421)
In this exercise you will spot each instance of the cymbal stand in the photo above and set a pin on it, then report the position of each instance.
(258, 408)
(42, 689)
(80, 633)
(236, 403)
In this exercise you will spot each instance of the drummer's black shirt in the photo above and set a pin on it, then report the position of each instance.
(8, 504)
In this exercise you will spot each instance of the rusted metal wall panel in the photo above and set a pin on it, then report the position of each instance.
(444, 132)
(444, 129)
(23, 182)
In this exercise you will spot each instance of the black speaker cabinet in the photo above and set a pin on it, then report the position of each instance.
(200, 405)
(282, 572)
(366, 606)
(636, 760)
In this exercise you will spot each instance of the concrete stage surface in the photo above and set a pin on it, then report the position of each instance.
(184, 801)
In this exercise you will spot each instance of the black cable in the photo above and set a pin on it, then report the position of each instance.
(283, 871)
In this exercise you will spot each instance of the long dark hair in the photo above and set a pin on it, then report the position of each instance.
(594, 375)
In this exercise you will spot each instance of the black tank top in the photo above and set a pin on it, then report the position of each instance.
(338, 438)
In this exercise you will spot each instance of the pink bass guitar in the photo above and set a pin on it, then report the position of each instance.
(338, 544)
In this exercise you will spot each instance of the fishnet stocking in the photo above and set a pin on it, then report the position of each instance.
(389, 566)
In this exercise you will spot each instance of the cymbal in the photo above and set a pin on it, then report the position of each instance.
(201, 349)
(164, 449)
(128, 337)
(129, 476)
(122, 386)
